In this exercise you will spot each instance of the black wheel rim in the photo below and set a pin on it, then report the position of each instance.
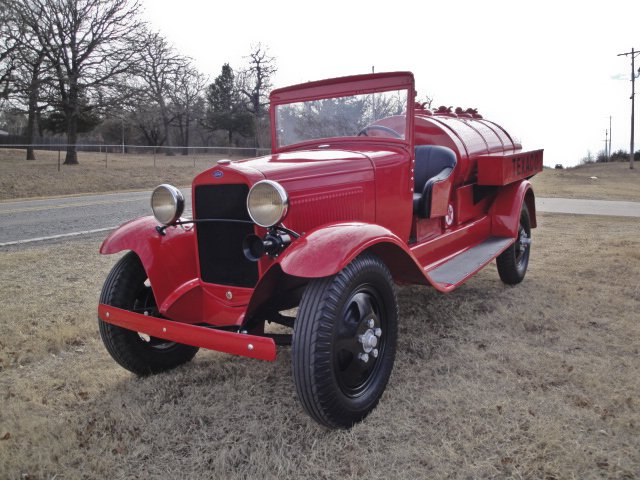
(145, 303)
(522, 248)
(362, 317)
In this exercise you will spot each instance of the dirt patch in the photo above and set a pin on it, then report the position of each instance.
(534, 381)
(613, 181)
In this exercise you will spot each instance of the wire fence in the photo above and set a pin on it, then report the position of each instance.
(145, 155)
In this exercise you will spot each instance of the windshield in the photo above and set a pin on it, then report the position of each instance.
(372, 114)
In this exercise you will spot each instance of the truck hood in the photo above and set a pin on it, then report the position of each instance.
(324, 186)
(294, 167)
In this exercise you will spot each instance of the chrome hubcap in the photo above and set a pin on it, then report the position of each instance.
(369, 340)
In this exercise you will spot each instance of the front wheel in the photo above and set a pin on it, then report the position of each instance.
(513, 262)
(127, 287)
(344, 342)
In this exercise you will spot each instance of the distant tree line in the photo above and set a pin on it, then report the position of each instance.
(617, 156)
(94, 69)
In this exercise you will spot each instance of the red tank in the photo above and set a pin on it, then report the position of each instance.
(467, 134)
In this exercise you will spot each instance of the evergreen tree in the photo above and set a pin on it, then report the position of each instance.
(225, 110)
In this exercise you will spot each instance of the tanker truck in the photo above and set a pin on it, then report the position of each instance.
(364, 190)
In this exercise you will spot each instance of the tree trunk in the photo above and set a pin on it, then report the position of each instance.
(72, 138)
(165, 124)
(186, 135)
(34, 93)
(256, 121)
(168, 150)
(31, 155)
(71, 112)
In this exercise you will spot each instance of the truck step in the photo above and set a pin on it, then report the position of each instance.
(457, 269)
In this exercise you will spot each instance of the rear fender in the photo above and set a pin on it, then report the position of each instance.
(169, 259)
(327, 250)
(505, 211)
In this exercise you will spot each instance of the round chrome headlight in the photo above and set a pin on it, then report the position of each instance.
(167, 203)
(267, 203)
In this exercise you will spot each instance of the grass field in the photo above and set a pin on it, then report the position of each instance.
(613, 181)
(20, 178)
(534, 381)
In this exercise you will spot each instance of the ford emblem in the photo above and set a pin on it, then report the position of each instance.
(218, 174)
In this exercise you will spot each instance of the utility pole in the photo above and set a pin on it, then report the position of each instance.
(610, 135)
(606, 143)
(633, 54)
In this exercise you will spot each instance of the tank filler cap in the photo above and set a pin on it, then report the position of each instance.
(445, 111)
(462, 113)
(421, 108)
(473, 112)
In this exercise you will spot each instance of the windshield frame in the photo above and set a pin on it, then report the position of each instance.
(343, 87)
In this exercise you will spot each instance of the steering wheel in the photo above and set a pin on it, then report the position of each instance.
(382, 128)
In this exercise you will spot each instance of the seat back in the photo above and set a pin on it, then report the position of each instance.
(430, 161)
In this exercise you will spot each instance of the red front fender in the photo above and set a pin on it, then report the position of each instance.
(169, 260)
(171, 263)
(328, 249)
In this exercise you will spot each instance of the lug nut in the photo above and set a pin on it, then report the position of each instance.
(374, 352)
(361, 338)
(377, 332)
(364, 357)
(371, 323)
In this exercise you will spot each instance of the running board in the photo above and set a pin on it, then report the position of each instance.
(456, 270)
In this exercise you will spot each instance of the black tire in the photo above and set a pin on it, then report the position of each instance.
(335, 386)
(125, 288)
(513, 262)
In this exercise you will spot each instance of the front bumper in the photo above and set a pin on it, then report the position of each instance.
(253, 346)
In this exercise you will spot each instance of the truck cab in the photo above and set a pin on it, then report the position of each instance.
(364, 189)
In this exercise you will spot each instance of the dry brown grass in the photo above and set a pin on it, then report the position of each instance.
(615, 182)
(534, 381)
(20, 178)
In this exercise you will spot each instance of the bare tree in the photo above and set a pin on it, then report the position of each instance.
(23, 62)
(88, 45)
(186, 97)
(255, 84)
(8, 48)
(159, 68)
(33, 81)
(148, 121)
(255, 80)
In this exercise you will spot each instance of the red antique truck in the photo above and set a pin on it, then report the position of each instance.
(364, 189)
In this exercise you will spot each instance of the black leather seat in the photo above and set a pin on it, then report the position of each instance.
(433, 163)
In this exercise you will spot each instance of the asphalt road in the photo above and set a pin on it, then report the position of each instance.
(29, 221)
(588, 207)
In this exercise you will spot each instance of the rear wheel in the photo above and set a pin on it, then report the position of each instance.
(127, 287)
(344, 342)
(513, 262)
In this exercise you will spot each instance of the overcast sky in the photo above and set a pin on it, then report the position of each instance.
(548, 71)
